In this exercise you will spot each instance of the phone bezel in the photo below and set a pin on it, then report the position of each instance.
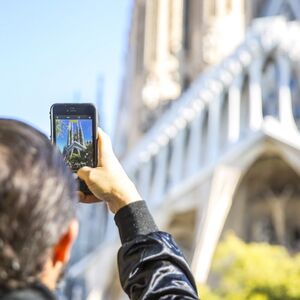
(75, 109)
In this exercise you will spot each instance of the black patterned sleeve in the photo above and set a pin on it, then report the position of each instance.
(151, 266)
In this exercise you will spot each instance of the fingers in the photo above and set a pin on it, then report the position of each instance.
(104, 146)
(90, 199)
(100, 146)
(81, 196)
(84, 173)
(87, 198)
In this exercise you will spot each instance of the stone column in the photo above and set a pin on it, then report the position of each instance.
(214, 128)
(162, 45)
(176, 29)
(177, 160)
(145, 179)
(285, 98)
(160, 175)
(255, 95)
(223, 185)
(234, 110)
(193, 157)
(150, 33)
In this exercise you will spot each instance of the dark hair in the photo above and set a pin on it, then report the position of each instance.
(37, 197)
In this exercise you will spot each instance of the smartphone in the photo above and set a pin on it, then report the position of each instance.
(74, 132)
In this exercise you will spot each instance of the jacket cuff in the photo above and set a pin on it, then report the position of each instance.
(134, 219)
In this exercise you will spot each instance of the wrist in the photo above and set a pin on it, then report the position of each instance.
(124, 198)
(116, 206)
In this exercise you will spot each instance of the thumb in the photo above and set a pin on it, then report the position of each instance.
(84, 173)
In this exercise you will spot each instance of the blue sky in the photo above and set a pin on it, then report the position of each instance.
(62, 139)
(51, 51)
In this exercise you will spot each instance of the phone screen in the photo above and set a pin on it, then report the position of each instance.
(74, 138)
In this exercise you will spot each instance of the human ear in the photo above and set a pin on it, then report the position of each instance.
(62, 250)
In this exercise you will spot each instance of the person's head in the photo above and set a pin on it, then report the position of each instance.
(37, 208)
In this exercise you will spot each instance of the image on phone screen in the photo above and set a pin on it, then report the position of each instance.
(74, 138)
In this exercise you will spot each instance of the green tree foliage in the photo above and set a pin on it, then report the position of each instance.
(85, 158)
(253, 272)
(60, 127)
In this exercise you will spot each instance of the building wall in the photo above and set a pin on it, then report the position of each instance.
(181, 40)
(170, 44)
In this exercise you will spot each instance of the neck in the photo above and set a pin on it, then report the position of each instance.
(51, 274)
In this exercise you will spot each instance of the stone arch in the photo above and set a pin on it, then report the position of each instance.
(245, 106)
(225, 187)
(182, 227)
(264, 203)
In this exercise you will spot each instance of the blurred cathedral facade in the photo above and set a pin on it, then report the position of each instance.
(176, 47)
(171, 42)
(208, 127)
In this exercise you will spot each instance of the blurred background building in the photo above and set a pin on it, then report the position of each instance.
(207, 127)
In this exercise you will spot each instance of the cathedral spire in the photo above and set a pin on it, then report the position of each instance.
(70, 134)
(80, 133)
